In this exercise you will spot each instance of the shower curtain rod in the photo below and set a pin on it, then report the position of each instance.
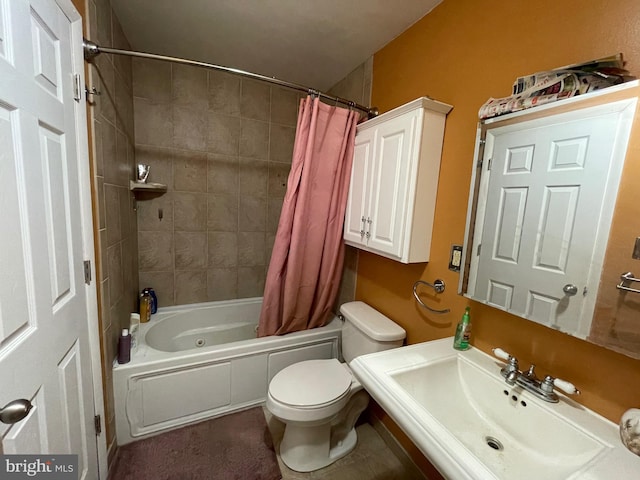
(92, 50)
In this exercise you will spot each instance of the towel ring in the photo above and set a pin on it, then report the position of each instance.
(438, 286)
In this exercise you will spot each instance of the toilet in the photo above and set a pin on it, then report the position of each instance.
(320, 400)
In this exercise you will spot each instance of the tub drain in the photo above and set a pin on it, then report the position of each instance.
(200, 342)
(494, 443)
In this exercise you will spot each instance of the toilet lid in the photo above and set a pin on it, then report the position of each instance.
(311, 383)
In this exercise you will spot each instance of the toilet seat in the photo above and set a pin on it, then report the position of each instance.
(311, 384)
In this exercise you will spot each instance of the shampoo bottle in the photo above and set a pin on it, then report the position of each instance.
(124, 347)
(463, 331)
(145, 307)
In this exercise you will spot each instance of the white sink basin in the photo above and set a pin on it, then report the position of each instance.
(458, 410)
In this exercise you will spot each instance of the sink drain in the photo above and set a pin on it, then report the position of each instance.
(200, 342)
(494, 443)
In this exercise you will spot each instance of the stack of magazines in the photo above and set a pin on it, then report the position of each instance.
(553, 85)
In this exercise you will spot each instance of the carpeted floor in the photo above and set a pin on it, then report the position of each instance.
(233, 447)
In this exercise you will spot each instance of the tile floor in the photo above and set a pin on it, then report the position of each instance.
(372, 459)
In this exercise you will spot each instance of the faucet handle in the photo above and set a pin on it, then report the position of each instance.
(500, 353)
(549, 382)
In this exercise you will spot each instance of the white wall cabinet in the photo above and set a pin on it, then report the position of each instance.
(394, 181)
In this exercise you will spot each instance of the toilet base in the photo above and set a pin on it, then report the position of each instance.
(308, 448)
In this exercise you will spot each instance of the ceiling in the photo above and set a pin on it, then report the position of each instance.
(314, 43)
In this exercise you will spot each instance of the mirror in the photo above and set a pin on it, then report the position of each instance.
(538, 239)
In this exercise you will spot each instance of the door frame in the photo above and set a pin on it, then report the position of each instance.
(86, 220)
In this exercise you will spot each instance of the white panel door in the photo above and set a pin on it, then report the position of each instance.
(358, 201)
(44, 345)
(542, 213)
(394, 141)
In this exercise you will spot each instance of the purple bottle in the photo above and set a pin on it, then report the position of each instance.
(124, 347)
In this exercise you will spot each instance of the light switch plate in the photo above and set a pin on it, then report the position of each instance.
(455, 260)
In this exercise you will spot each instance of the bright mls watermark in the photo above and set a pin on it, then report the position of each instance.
(50, 467)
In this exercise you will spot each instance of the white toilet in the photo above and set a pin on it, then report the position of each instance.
(320, 400)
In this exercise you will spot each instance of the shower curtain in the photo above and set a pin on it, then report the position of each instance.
(306, 263)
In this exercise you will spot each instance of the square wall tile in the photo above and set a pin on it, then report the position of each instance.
(223, 249)
(254, 139)
(153, 123)
(152, 80)
(253, 177)
(223, 135)
(222, 213)
(116, 279)
(189, 211)
(251, 281)
(281, 143)
(189, 128)
(189, 86)
(127, 225)
(191, 250)
(222, 174)
(284, 106)
(190, 171)
(98, 158)
(112, 214)
(278, 178)
(251, 249)
(107, 135)
(155, 251)
(224, 93)
(222, 284)
(102, 221)
(252, 216)
(156, 213)
(255, 99)
(191, 287)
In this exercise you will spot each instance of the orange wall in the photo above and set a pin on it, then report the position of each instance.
(462, 53)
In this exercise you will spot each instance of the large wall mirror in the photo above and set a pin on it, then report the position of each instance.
(543, 199)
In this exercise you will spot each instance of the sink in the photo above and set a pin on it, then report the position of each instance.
(458, 410)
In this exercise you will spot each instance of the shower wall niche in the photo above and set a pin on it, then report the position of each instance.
(222, 144)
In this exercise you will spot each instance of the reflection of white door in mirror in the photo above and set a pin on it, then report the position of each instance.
(546, 191)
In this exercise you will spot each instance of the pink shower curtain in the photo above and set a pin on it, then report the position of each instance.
(308, 253)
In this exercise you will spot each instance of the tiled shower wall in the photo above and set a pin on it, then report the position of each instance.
(222, 144)
(111, 117)
(357, 87)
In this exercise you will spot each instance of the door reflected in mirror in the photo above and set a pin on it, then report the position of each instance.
(542, 202)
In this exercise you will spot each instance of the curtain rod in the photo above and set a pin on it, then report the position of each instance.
(92, 50)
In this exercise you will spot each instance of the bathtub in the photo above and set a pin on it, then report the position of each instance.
(200, 361)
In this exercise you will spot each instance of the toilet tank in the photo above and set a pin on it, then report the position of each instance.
(366, 330)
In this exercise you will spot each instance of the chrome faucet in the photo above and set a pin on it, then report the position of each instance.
(529, 381)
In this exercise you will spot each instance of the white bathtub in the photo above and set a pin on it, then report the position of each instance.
(201, 361)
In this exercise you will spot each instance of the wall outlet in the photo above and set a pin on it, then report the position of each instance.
(455, 260)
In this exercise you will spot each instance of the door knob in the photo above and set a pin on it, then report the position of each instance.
(15, 411)
(570, 290)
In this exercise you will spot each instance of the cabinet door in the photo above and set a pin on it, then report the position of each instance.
(390, 186)
(361, 173)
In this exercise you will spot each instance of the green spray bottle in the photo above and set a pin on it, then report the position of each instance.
(463, 331)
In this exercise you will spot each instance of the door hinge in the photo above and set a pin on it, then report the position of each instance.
(77, 87)
(479, 164)
(479, 248)
(87, 272)
(97, 422)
